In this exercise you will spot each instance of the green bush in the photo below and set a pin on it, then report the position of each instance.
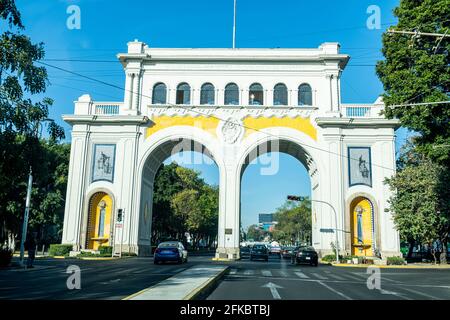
(59, 249)
(330, 258)
(105, 251)
(395, 261)
(6, 255)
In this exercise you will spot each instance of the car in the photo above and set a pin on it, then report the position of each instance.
(245, 252)
(305, 254)
(275, 249)
(259, 252)
(286, 252)
(170, 251)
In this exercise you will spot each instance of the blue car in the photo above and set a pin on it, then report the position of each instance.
(170, 251)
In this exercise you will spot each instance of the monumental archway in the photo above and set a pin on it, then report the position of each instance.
(348, 149)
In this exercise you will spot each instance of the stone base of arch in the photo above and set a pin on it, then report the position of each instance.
(228, 253)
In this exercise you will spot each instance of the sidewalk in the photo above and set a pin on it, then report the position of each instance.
(408, 266)
(186, 285)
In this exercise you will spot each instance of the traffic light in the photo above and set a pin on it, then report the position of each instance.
(119, 215)
(295, 198)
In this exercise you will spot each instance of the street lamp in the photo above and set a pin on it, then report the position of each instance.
(28, 199)
(297, 198)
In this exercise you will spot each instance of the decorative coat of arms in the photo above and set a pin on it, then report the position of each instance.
(231, 130)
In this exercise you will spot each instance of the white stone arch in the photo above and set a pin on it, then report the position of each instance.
(308, 153)
(156, 148)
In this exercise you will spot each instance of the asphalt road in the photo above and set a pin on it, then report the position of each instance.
(110, 279)
(278, 279)
(246, 280)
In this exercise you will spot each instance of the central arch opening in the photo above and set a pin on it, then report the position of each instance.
(179, 197)
(270, 173)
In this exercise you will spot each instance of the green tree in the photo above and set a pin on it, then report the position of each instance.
(21, 116)
(294, 222)
(420, 204)
(417, 71)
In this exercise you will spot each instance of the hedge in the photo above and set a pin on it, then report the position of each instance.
(395, 261)
(105, 250)
(60, 249)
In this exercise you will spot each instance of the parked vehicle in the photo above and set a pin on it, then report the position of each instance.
(259, 251)
(170, 251)
(305, 254)
(286, 252)
(245, 252)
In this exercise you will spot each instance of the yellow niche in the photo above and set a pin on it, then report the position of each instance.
(208, 124)
(301, 124)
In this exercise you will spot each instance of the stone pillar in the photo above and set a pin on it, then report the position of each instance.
(136, 92)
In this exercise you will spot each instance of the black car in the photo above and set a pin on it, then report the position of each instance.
(305, 254)
(259, 251)
(245, 252)
(286, 252)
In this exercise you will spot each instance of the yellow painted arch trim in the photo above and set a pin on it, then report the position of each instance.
(208, 124)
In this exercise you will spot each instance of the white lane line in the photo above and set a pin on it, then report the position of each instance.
(318, 276)
(335, 291)
(426, 295)
(335, 276)
(301, 275)
(249, 272)
(283, 273)
(233, 271)
(178, 270)
(266, 273)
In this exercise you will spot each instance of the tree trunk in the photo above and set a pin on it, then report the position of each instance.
(411, 249)
(443, 255)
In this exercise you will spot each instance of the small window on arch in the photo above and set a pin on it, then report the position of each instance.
(256, 94)
(159, 94)
(304, 95)
(231, 94)
(280, 96)
(183, 94)
(207, 94)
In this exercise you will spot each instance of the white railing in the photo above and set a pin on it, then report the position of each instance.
(109, 108)
(361, 111)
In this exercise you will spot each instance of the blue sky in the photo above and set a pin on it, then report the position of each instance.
(106, 27)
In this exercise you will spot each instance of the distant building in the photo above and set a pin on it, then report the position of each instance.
(265, 218)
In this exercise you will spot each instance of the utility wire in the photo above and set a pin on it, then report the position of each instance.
(203, 114)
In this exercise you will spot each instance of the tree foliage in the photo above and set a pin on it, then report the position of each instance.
(21, 118)
(420, 204)
(418, 71)
(294, 222)
(183, 202)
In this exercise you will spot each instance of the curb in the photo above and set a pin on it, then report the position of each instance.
(196, 294)
(391, 266)
(206, 288)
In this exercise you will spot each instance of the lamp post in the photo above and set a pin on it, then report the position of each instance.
(296, 198)
(28, 200)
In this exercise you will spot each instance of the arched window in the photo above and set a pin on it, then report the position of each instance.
(280, 96)
(159, 94)
(304, 95)
(183, 94)
(256, 94)
(207, 94)
(231, 94)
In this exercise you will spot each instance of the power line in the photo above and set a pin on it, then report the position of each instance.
(201, 113)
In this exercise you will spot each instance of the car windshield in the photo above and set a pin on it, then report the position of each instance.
(168, 244)
(259, 247)
(307, 249)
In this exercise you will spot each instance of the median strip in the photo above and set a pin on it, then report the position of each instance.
(187, 285)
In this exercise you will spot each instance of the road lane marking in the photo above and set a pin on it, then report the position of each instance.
(249, 272)
(335, 276)
(426, 295)
(318, 276)
(266, 273)
(335, 291)
(273, 289)
(301, 275)
(233, 271)
(178, 270)
(283, 273)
